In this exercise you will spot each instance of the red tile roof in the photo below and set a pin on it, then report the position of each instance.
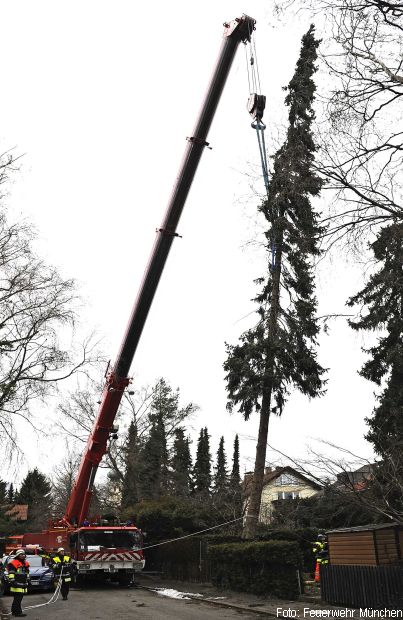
(17, 512)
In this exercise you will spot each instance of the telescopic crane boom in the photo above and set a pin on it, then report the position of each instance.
(117, 379)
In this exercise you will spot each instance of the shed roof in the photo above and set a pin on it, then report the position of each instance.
(365, 528)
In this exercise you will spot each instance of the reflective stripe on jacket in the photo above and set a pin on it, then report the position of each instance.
(317, 547)
(57, 563)
(66, 559)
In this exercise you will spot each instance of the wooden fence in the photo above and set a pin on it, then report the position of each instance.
(184, 560)
(375, 587)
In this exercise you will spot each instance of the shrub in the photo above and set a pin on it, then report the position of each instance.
(265, 567)
(305, 537)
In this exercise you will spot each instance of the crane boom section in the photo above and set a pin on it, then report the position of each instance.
(235, 32)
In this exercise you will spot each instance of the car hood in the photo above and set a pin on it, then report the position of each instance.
(38, 572)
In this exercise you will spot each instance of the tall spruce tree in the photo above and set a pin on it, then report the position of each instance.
(166, 406)
(165, 416)
(10, 494)
(181, 465)
(221, 482)
(235, 481)
(235, 472)
(382, 309)
(279, 352)
(202, 467)
(153, 474)
(3, 493)
(131, 472)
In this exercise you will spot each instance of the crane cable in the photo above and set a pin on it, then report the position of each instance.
(256, 106)
(258, 101)
(208, 529)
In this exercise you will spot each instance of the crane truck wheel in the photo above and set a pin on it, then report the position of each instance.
(125, 580)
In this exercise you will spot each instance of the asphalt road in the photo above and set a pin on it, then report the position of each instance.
(115, 603)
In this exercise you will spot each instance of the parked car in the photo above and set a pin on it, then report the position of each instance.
(41, 577)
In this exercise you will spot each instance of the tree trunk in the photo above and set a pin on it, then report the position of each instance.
(255, 497)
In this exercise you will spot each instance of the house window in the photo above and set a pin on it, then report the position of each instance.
(285, 479)
(288, 495)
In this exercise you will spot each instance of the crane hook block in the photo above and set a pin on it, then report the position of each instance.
(256, 105)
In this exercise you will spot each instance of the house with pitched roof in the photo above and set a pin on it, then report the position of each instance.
(279, 484)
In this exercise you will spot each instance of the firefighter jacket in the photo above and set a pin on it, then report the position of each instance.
(61, 566)
(18, 573)
(317, 548)
(323, 555)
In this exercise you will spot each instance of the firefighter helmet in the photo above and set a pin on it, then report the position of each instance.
(60, 550)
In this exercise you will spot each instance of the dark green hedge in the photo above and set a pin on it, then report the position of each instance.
(305, 537)
(266, 567)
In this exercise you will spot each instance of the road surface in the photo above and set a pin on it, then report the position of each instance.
(109, 602)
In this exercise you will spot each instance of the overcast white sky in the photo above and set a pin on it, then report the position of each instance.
(100, 96)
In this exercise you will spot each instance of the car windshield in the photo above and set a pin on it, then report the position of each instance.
(111, 539)
(35, 561)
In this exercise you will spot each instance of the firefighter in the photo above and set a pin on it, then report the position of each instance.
(318, 545)
(61, 565)
(18, 576)
(321, 553)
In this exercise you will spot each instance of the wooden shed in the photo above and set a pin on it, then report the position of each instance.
(366, 545)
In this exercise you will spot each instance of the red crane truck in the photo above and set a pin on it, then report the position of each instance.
(116, 552)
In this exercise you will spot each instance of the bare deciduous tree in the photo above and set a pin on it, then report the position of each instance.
(63, 481)
(361, 131)
(78, 412)
(376, 487)
(37, 312)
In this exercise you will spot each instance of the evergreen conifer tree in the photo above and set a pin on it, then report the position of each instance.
(279, 352)
(6, 524)
(235, 472)
(154, 479)
(152, 457)
(235, 481)
(10, 494)
(202, 467)
(131, 472)
(382, 309)
(221, 474)
(165, 416)
(36, 492)
(181, 464)
(3, 493)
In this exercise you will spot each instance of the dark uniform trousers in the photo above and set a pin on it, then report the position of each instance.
(16, 608)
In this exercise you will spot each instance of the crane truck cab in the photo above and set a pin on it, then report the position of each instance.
(100, 552)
